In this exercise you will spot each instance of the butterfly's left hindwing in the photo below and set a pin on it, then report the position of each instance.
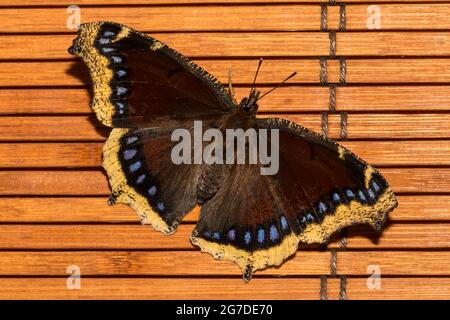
(139, 81)
(321, 187)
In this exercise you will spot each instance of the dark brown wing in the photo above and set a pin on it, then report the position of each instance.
(140, 82)
(257, 221)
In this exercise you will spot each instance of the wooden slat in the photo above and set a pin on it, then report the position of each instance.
(174, 2)
(95, 210)
(380, 71)
(164, 288)
(360, 126)
(206, 288)
(284, 99)
(401, 16)
(267, 44)
(157, 263)
(411, 180)
(393, 44)
(402, 263)
(88, 154)
(185, 18)
(291, 17)
(400, 288)
(119, 237)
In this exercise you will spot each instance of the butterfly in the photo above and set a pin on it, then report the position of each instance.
(145, 90)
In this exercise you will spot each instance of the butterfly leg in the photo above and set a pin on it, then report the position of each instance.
(230, 87)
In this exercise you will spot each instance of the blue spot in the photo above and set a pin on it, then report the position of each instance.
(336, 197)
(120, 105)
(104, 40)
(273, 233)
(361, 195)
(116, 59)
(247, 237)
(135, 166)
(160, 206)
(309, 217)
(303, 219)
(232, 234)
(152, 191)
(376, 186)
(131, 139)
(108, 33)
(371, 194)
(107, 49)
(322, 207)
(261, 235)
(350, 193)
(207, 234)
(121, 90)
(121, 72)
(140, 179)
(216, 235)
(284, 224)
(120, 111)
(129, 153)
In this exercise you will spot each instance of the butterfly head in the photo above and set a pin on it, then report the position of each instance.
(249, 105)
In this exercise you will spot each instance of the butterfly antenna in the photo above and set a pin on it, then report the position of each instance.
(278, 85)
(256, 75)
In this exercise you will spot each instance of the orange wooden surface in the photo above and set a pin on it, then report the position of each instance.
(53, 191)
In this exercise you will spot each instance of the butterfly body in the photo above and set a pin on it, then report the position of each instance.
(147, 91)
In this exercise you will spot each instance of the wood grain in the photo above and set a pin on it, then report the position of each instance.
(157, 263)
(164, 288)
(377, 71)
(95, 210)
(133, 237)
(88, 154)
(293, 98)
(400, 288)
(359, 126)
(291, 17)
(253, 45)
(94, 182)
(25, 3)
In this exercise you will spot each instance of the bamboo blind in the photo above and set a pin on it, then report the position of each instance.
(383, 90)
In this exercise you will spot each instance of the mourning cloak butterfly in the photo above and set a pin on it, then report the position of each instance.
(145, 90)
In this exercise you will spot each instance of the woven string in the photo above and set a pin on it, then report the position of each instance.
(325, 129)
